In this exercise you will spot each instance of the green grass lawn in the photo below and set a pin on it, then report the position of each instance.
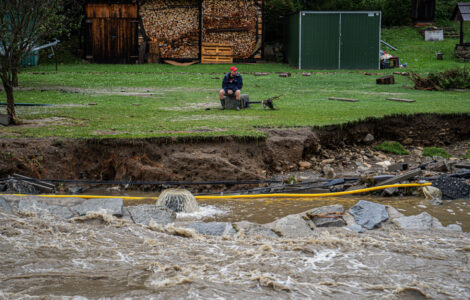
(162, 100)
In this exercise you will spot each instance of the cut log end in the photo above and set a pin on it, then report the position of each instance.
(386, 80)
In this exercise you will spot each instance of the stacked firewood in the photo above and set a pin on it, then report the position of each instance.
(174, 25)
(231, 21)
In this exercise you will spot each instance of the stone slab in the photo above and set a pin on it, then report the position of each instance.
(143, 214)
(213, 228)
(113, 206)
(369, 214)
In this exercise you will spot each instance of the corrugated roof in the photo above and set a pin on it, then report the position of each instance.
(462, 11)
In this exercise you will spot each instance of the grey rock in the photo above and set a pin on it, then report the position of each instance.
(126, 215)
(369, 214)
(439, 166)
(356, 228)
(423, 221)
(291, 226)
(329, 172)
(112, 205)
(452, 187)
(454, 227)
(253, 229)
(143, 214)
(213, 228)
(368, 138)
(20, 187)
(43, 208)
(349, 219)
(393, 212)
(4, 205)
(327, 216)
(436, 201)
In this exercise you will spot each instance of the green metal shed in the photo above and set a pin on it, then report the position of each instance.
(334, 39)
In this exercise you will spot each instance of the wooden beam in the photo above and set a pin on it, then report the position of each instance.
(401, 100)
(343, 99)
(402, 177)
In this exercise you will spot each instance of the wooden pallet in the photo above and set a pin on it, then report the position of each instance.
(214, 53)
(216, 59)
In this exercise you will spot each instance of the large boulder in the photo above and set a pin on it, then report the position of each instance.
(143, 214)
(113, 206)
(291, 226)
(327, 216)
(213, 228)
(369, 214)
(253, 229)
(452, 187)
(4, 205)
(423, 221)
(178, 200)
(37, 207)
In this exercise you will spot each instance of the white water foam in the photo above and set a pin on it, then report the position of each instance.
(203, 212)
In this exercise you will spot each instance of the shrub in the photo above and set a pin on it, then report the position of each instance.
(392, 147)
(433, 151)
(467, 155)
(458, 78)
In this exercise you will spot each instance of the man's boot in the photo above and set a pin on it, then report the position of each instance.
(238, 104)
(222, 102)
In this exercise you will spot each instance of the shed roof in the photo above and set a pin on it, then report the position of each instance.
(462, 11)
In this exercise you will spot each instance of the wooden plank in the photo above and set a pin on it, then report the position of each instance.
(343, 99)
(401, 100)
(217, 50)
(217, 44)
(462, 166)
(212, 59)
(402, 177)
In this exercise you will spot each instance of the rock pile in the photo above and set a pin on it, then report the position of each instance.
(363, 216)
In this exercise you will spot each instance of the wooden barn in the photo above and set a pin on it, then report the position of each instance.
(211, 31)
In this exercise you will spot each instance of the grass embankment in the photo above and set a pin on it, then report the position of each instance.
(162, 100)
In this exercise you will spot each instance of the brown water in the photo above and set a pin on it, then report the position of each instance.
(101, 256)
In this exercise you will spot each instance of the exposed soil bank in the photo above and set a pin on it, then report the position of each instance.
(222, 158)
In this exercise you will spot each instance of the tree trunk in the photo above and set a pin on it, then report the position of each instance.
(10, 102)
(15, 78)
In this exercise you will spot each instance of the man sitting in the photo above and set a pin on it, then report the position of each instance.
(232, 84)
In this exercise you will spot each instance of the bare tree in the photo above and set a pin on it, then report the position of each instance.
(22, 24)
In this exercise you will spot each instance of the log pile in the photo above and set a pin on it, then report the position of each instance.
(174, 25)
(233, 21)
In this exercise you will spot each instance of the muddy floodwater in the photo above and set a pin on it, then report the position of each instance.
(102, 256)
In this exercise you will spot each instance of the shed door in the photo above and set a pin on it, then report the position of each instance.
(112, 32)
(319, 41)
(359, 41)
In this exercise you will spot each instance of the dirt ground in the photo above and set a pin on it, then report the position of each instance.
(343, 147)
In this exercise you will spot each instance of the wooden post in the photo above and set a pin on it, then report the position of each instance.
(461, 31)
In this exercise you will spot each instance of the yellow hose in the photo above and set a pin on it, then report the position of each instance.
(244, 196)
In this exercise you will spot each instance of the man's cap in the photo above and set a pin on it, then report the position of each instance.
(233, 68)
